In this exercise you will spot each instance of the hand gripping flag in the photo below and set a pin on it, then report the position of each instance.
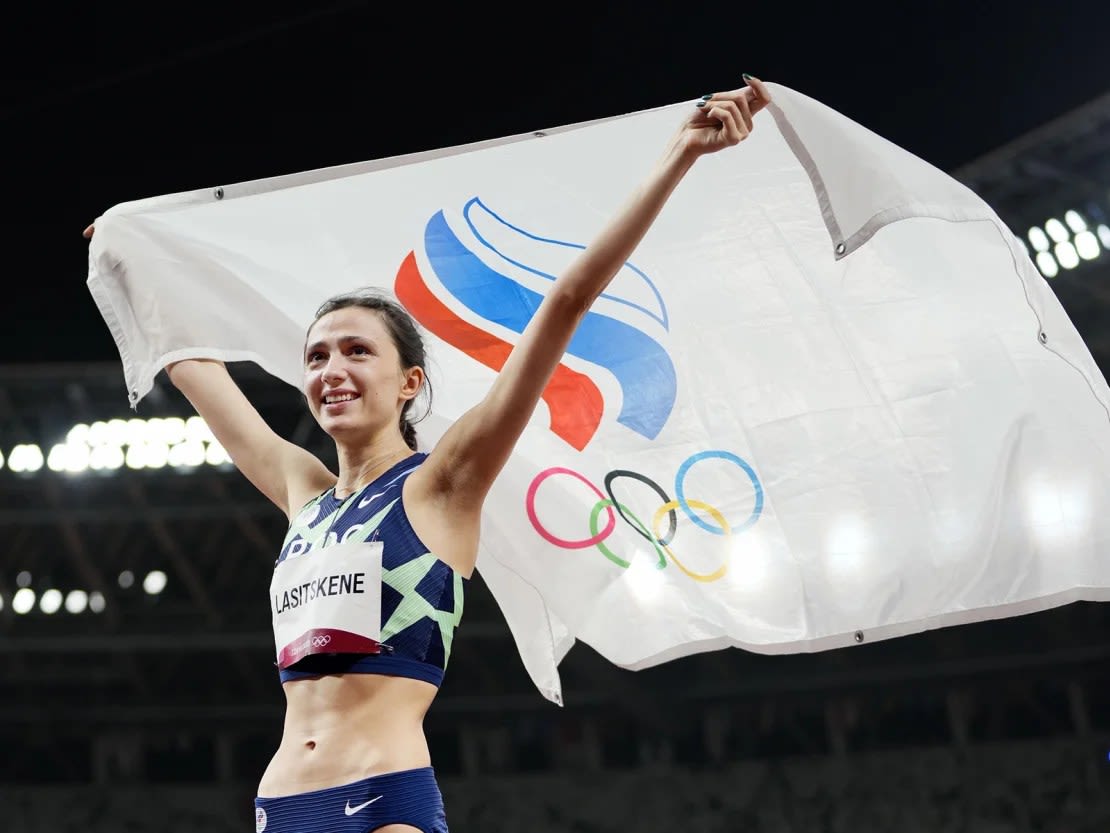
(829, 398)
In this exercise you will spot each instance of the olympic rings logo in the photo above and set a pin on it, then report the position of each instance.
(659, 539)
(321, 641)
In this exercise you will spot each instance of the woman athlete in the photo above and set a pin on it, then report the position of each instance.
(363, 631)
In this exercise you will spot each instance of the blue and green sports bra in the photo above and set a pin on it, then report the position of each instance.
(422, 598)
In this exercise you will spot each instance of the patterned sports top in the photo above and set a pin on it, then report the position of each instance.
(422, 598)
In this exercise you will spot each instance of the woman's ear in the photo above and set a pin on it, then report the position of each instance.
(413, 382)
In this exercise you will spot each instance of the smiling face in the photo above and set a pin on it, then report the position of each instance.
(354, 380)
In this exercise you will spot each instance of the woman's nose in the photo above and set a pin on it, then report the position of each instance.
(333, 372)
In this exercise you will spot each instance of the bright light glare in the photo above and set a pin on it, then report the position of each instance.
(23, 600)
(850, 563)
(1039, 239)
(76, 601)
(126, 579)
(68, 457)
(1056, 230)
(98, 433)
(116, 433)
(188, 454)
(79, 433)
(1075, 221)
(157, 453)
(23, 579)
(749, 562)
(136, 456)
(197, 429)
(96, 601)
(215, 455)
(105, 457)
(155, 582)
(1104, 235)
(1047, 264)
(1058, 511)
(135, 443)
(1067, 255)
(51, 600)
(645, 580)
(173, 430)
(1086, 244)
(136, 430)
(27, 457)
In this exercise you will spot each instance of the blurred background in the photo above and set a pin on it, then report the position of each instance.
(137, 688)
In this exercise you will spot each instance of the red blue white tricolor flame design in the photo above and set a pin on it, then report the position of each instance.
(639, 363)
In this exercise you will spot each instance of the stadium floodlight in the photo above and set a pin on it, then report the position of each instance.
(1086, 245)
(68, 457)
(76, 601)
(1039, 239)
(105, 457)
(23, 600)
(25, 458)
(78, 434)
(1104, 235)
(154, 583)
(51, 601)
(197, 429)
(1056, 230)
(1075, 221)
(157, 454)
(187, 454)
(1067, 255)
(136, 443)
(216, 455)
(1047, 264)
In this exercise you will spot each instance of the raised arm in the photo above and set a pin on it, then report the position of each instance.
(284, 472)
(473, 451)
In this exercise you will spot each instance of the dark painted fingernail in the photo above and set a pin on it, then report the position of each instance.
(701, 103)
(707, 96)
(747, 77)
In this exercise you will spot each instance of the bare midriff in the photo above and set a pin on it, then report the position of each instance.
(342, 728)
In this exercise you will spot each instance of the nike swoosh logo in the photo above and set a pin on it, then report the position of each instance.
(350, 811)
(367, 500)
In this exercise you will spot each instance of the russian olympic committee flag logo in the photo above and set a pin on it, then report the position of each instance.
(479, 274)
(499, 272)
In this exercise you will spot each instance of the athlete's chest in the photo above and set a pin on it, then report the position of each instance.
(363, 517)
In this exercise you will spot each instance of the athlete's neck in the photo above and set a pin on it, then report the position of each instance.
(360, 466)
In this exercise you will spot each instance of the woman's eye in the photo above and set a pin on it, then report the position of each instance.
(359, 350)
(315, 357)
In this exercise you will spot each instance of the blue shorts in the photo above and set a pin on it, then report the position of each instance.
(408, 797)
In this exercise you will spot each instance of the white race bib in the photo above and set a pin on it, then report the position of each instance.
(328, 601)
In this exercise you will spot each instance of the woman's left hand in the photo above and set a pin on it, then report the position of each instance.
(724, 119)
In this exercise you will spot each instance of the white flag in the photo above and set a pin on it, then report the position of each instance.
(829, 400)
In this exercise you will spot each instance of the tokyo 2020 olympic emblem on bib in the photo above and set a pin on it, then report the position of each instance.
(328, 601)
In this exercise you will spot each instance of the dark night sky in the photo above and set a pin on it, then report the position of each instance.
(102, 103)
